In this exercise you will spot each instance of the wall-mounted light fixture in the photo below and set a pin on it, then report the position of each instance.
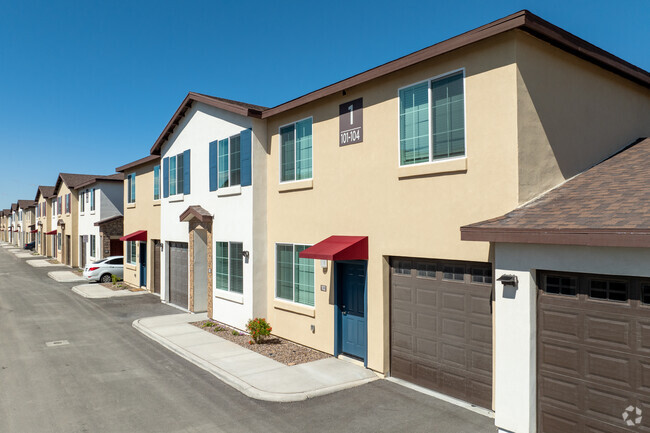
(508, 280)
(323, 264)
(245, 254)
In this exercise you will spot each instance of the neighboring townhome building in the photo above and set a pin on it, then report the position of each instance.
(44, 195)
(27, 211)
(142, 247)
(213, 213)
(370, 179)
(67, 216)
(13, 217)
(100, 217)
(5, 224)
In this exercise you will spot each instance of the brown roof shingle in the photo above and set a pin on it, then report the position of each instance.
(25, 204)
(610, 200)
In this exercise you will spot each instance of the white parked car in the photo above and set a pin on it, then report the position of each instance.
(103, 270)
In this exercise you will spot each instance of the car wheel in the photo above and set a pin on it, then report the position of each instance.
(106, 278)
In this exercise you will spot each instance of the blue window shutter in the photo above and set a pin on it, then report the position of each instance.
(186, 172)
(245, 157)
(165, 177)
(213, 165)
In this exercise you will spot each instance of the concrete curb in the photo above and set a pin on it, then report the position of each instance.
(65, 276)
(237, 383)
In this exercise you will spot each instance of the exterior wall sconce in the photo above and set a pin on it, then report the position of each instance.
(245, 254)
(323, 264)
(508, 280)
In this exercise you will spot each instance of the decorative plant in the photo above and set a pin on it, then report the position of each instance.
(259, 329)
(114, 278)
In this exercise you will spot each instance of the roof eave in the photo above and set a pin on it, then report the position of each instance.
(639, 238)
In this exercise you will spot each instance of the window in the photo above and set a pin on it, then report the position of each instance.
(67, 203)
(561, 285)
(229, 161)
(295, 151)
(453, 273)
(59, 205)
(403, 267)
(82, 202)
(92, 245)
(229, 267)
(294, 276)
(130, 181)
(426, 270)
(119, 261)
(481, 275)
(172, 175)
(156, 182)
(130, 252)
(432, 120)
(58, 241)
(92, 199)
(607, 289)
(645, 294)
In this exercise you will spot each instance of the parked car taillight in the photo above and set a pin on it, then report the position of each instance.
(93, 269)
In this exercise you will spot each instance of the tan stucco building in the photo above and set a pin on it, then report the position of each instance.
(517, 113)
(141, 238)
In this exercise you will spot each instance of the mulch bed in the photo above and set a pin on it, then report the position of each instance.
(279, 349)
(54, 262)
(121, 286)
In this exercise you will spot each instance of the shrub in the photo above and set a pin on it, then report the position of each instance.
(259, 329)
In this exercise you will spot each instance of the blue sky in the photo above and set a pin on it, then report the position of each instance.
(86, 86)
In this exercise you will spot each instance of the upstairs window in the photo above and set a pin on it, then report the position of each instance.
(176, 174)
(156, 182)
(296, 151)
(59, 205)
(432, 120)
(229, 162)
(82, 201)
(67, 203)
(130, 188)
(92, 199)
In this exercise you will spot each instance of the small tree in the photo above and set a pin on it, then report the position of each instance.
(259, 329)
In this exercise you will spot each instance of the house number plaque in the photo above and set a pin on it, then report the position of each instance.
(351, 122)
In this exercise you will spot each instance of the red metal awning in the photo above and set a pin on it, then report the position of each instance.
(33, 231)
(338, 248)
(53, 232)
(140, 235)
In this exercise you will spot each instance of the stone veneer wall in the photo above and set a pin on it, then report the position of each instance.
(110, 229)
(196, 225)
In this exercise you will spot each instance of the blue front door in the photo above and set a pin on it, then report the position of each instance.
(143, 264)
(351, 289)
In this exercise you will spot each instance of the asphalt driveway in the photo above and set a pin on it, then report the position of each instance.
(70, 364)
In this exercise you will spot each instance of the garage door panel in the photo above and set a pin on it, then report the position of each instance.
(428, 322)
(481, 335)
(480, 304)
(643, 339)
(402, 293)
(453, 303)
(453, 328)
(402, 317)
(643, 375)
(427, 348)
(560, 390)
(608, 368)
(559, 324)
(608, 332)
(426, 298)
(403, 341)
(481, 362)
(560, 358)
(557, 422)
(605, 404)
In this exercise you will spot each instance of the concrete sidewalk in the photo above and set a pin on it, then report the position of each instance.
(97, 291)
(42, 263)
(249, 372)
(65, 276)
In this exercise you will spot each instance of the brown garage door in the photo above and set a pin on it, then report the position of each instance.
(178, 294)
(593, 352)
(441, 327)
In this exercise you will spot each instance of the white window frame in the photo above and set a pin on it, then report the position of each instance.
(178, 170)
(128, 253)
(430, 112)
(159, 182)
(229, 162)
(229, 290)
(295, 143)
(293, 275)
(93, 246)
